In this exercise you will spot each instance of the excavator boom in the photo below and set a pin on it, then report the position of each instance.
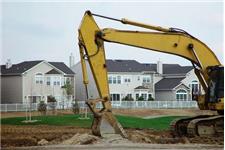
(166, 40)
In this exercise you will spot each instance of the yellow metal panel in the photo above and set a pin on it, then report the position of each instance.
(96, 56)
(172, 43)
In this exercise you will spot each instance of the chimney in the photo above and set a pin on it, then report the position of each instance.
(8, 64)
(71, 60)
(159, 67)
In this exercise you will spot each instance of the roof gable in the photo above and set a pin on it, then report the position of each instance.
(20, 68)
(53, 71)
(63, 67)
(168, 83)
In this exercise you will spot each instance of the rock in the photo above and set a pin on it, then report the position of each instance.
(87, 139)
(43, 142)
(81, 139)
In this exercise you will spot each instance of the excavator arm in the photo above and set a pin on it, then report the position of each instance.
(172, 41)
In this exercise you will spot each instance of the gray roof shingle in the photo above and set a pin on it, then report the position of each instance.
(63, 67)
(18, 69)
(167, 83)
(134, 66)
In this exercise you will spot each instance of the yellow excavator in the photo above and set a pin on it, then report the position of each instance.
(207, 67)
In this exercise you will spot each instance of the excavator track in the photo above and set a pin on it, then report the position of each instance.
(203, 125)
(210, 126)
(179, 126)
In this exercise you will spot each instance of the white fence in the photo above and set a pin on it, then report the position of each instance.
(115, 104)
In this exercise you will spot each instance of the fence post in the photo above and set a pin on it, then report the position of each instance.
(5, 107)
(16, 107)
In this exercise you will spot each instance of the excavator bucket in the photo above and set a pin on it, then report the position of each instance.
(94, 52)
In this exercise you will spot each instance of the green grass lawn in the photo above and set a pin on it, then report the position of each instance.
(161, 123)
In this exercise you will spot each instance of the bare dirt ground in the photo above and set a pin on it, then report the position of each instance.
(162, 112)
(17, 136)
(128, 112)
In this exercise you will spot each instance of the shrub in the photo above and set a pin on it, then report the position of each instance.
(127, 98)
(150, 98)
(75, 107)
(42, 107)
(140, 98)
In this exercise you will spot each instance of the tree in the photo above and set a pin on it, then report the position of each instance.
(42, 107)
(68, 87)
(141, 98)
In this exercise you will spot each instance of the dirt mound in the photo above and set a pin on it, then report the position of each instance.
(81, 139)
(31, 135)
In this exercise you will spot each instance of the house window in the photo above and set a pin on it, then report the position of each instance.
(115, 97)
(138, 78)
(146, 80)
(149, 96)
(119, 79)
(39, 78)
(110, 80)
(34, 99)
(137, 96)
(129, 96)
(48, 81)
(144, 95)
(56, 81)
(114, 79)
(181, 95)
(194, 86)
(127, 80)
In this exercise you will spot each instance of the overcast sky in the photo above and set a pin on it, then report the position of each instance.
(48, 31)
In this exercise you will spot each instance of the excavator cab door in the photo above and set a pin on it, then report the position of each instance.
(216, 84)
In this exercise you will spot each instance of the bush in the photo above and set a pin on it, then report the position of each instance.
(51, 99)
(75, 107)
(127, 98)
(140, 98)
(150, 98)
(42, 107)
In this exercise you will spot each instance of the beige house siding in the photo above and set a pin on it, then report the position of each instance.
(165, 96)
(170, 95)
(11, 89)
(123, 89)
(20, 89)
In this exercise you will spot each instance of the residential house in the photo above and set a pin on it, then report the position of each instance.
(134, 80)
(33, 81)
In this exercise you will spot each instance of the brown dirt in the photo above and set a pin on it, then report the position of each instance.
(30, 135)
(128, 112)
(162, 112)
(34, 113)
(14, 136)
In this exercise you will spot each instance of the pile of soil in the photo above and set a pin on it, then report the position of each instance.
(31, 135)
(15, 136)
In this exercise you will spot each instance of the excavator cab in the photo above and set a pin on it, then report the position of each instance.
(216, 86)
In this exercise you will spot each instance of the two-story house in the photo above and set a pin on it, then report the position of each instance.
(138, 81)
(35, 81)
